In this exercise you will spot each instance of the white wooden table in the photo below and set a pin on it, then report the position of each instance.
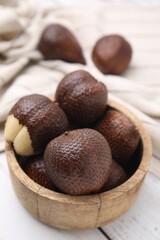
(142, 221)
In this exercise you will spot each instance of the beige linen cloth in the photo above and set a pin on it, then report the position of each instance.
(23, 70)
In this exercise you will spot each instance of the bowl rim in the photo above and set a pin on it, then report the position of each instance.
(128, 185)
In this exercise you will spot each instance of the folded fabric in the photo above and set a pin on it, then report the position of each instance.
(23, 70)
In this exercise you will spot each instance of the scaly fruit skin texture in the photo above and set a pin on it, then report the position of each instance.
(82, 97)
(57, 42)
(117, 177)
(112, 54)
(78, 162)
(32, 122)
(121, 134)
(34, 168)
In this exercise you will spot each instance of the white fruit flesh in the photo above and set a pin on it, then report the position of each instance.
(22, 143)
(19, 135)
(12, 128)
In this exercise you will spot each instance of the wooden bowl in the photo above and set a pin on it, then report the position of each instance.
(81, 212)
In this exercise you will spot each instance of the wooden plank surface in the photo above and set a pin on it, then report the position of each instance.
(142, 220)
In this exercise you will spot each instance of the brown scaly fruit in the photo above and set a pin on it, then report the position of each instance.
(78, 161)
(112, 54)
(117, 177)
(57, 42)
(32, 122)
(34, 168)
(121, 134)
(82, 97)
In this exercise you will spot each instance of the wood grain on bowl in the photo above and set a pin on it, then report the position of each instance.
(81, 212)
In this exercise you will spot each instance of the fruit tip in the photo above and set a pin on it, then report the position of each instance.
(82, 60)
